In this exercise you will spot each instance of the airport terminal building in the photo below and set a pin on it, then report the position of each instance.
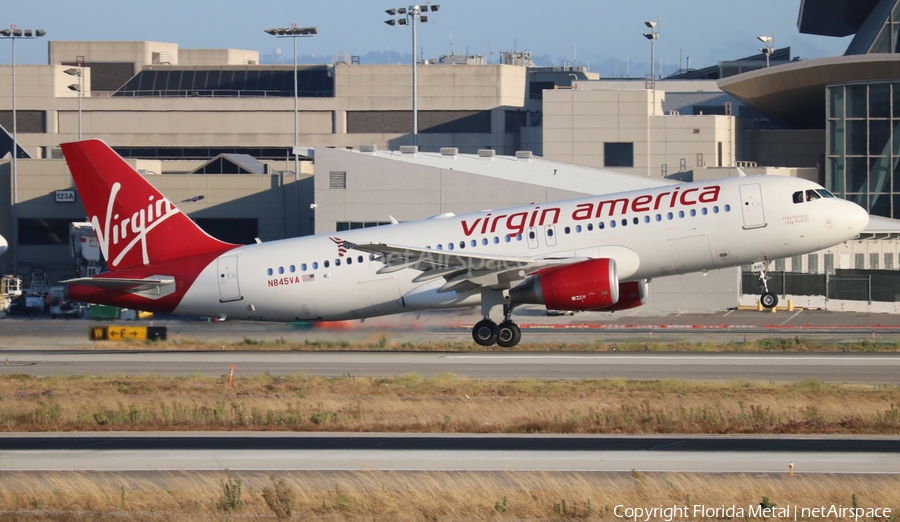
(215, 130)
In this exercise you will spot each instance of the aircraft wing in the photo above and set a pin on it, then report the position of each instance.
(462, 271)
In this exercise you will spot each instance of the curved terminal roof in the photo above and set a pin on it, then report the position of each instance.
(794, 93)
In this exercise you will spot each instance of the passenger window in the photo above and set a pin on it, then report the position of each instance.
(449, 246)
(337, 262)
(315, 265)
(601, 225)
(624, 222)
(716, 209)
(462, 244)
(635, 221)
(372, 257)
(727, 208)
(704, 211)
(531, 234)
(681, 213)
(659, 217)
(669, 216)
(303, 267)
(326, 264)
(474, 243)
(693, 212)
(518, 237)
(440, 247)
(646, 219)
(590, 227)
(549, 232)
(349, 260)
(567, 230)
(293, 269)
(280, 269)
(577, 229)
(484, 241)
(269, 272)
(612, 224)
(359, 259)
(507, 238)
(496, 240)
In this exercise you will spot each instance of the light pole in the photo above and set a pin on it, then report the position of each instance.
(769, 48)
(653, 36)
(295, 32)
(79, 72)
(14, 34)
(411, 16)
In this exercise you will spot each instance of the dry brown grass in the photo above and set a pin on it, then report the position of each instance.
(443, 404)
(416, 496)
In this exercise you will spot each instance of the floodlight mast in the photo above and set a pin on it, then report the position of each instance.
(79, 72)
(13, 34)
(769, 48)
(411, 16)
(653, 36)
(295, 32)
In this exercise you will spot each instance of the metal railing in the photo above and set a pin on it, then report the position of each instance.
(863, 287)
(217, 93)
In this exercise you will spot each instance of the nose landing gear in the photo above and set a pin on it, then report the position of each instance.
(767, 299)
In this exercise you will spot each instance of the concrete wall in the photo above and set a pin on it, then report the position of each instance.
(217, 57)
(137, 52)
(577, 123)
(379, 187)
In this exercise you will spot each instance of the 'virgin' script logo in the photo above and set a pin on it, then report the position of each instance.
(134, 227)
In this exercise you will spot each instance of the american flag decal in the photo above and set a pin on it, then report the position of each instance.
(309, 278)
(342, 245)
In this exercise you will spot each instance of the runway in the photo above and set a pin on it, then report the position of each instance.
(777, 367)
(349, 452)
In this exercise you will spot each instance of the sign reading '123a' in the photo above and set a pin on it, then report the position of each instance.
(65, 196)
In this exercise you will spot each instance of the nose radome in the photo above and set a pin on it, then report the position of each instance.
(858, 218)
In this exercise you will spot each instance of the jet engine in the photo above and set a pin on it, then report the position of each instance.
(588, 285)
(632, 294)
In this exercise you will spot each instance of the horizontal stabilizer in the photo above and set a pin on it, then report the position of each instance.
(152, 287)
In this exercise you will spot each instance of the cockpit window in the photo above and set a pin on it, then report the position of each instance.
(812, 195)
(798, 197)
(824, 193)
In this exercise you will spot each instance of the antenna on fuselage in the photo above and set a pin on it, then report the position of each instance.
(741, 173)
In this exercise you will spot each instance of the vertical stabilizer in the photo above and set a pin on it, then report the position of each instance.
(135, 224)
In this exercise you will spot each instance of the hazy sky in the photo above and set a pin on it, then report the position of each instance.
(594, 31)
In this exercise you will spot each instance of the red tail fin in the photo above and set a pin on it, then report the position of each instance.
(135, 224)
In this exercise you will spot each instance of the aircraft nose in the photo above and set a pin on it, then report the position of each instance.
(858, 219)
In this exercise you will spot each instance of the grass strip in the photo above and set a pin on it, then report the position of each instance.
(413, 496)
(442, 404)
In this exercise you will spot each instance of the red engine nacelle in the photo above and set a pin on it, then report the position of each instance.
(589, 285)
(631, 295)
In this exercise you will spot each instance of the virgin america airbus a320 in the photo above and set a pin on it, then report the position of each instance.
(595, 253)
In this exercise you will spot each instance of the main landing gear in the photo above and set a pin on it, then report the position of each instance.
(506, 335)
(767, 299)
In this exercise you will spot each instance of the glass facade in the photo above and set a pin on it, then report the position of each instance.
(888, 38)
(863, 145)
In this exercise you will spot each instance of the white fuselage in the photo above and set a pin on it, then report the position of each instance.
(650, 233)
